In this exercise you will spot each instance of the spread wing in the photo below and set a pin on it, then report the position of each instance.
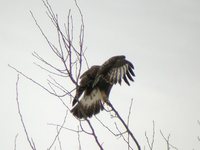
(115, 69)
(96, 84)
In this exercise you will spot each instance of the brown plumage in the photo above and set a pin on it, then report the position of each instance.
(96, 84)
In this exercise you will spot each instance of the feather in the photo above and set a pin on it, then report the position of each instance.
(115, 76)
(89, 104)
(96, 84)
(118, 74)
(121, 75)
(111, 77)
(125, 79)
(131, 71)
(130, 64)
(129, 76)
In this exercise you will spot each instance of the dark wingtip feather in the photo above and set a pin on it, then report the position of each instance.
(129, 76)
(125, 79)
(130, 64)
(131, 71)
(120, 81)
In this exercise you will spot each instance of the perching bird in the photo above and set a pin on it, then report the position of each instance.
(96, 84)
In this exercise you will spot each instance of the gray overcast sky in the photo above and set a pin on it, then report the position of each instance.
(161, 38)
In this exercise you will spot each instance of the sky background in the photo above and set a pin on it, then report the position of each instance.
(162, 40)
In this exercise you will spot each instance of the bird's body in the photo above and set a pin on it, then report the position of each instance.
(96, 84)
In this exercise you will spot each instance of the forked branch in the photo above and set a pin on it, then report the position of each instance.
(125, 125)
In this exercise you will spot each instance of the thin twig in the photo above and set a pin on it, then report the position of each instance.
(59, 97)
(150, 145)
(122, 135)
(51, 45)
(94, 134)
(167, 141)
(129, 114)
(125, 125)
(107, 127)
(61, 71)
(58, 131)
(30, 141)
(37, 83)
(79, 141)
(51, 72)
(60, 87)
(66, 128)
(59, 141)
(81, 39)
(81, 126)
(15, 142)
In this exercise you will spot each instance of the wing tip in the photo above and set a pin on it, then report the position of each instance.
(126, 80)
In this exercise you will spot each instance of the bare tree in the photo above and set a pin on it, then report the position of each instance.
(71, 58)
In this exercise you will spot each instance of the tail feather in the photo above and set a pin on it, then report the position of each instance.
(89, 105)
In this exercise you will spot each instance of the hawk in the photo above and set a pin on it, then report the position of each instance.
(96, 84)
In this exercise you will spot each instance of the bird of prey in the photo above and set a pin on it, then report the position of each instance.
(96, 84)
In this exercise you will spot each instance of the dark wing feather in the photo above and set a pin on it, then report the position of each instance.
(115, 69)
(125, 79)
(129, 76)
(130, 69)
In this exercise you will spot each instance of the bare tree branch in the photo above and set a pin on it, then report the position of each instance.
(51, 72)
(167, 141)
(30, 140)
(94, 134)
(59, 141)
(57, 135)
(150, 145)
(106, 127)
(66, 128)
(79, 141)
(122, 135)
(37, 83)
(125, 125)
(129, 114)
(15, 142)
